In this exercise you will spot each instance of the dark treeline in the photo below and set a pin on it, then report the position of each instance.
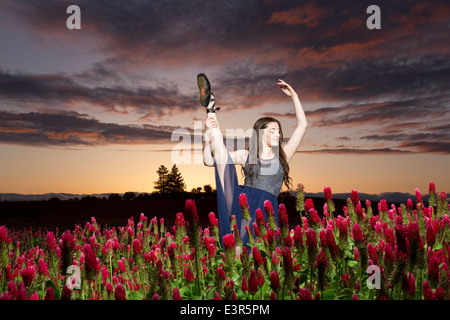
(170, 185)
(196, 193)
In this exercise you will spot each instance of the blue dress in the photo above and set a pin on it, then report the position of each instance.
(266, 186)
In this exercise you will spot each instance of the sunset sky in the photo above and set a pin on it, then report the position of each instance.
(93, 110)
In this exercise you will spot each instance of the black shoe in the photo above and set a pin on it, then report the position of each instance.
(205, 89)
(206, 95)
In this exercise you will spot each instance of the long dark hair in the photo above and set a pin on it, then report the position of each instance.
(254, 149)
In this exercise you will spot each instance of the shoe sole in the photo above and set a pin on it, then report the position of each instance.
(201, 82)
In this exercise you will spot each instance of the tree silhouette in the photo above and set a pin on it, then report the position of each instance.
(175, 180)
(129, 195)
(162, 184)
(114, 196)
(207, 188)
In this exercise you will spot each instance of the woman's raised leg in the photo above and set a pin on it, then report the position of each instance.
(215, 145)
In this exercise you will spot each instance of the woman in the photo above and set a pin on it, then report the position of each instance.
(265, 163)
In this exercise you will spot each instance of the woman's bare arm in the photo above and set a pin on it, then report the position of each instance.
(296, 138)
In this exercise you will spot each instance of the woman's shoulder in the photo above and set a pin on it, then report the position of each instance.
(239, 156)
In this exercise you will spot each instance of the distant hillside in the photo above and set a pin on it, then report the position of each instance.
(46, 196)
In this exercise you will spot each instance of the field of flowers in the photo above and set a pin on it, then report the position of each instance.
(397, 253)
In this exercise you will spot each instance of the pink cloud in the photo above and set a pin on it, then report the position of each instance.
(308, 14)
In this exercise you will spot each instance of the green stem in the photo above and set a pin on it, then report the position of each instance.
(197, 266)
(110, 270)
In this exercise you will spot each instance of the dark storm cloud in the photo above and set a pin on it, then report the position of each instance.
(355, 151)
(75, 129)
(20, 89)
(434, 139)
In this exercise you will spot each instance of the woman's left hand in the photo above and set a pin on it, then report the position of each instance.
(287, 89)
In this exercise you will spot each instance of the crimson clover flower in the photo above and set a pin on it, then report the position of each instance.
(355, 254)
(229, 244)
(260, 222)
(275, 281)
(345, 278)
(309, 204)
(67, 247)
(372, 253)
(311, 245)
(428, 293)
(413, 235)
(260, 277)
(300, 203)
(105, 274)
(390, 237)
(314, 217)
(304, 294)
(49, 294)
(176, 294)
(91, 263)
(331, 244)
(257, 257)
(191, 212)
(401, 232)
(137, 246)
(283, 219)
(328, 199)
(42, 268)
(322, 265)
(188, 275)
(298, 237)
(66, 293)
(323, 238)
(122, 267)
(409, 284)
(343, 231)
(433, 270)
(51, 242)
(28, 275)
(418, 196)
(359, 212)
(432, 194)
(244, 286)
(244, 206)
(354, 197)
(327, 193)
(252, 282)
(382, 206)
(270, 215)
(288, 267)
(119, 292)
(389, 257)
(193, 228)
(179, 221)
(213, 220)
(357, 234)
(443, 203)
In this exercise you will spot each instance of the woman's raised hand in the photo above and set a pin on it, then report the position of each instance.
(286, 88)
(211, 123)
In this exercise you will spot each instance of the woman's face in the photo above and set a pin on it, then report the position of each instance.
(272, 134)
